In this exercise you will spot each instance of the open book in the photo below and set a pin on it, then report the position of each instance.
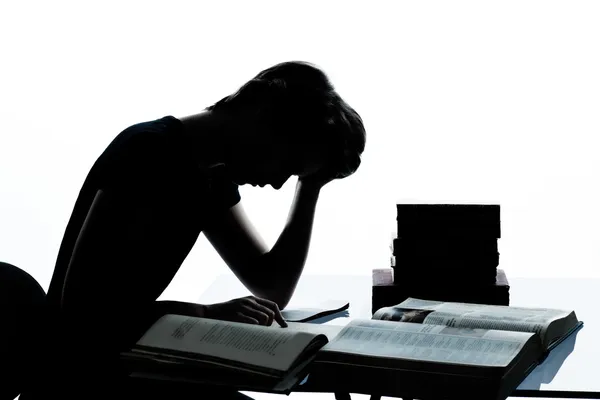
(418, 349)
(429, 349)
(213, 352)
(551, 325)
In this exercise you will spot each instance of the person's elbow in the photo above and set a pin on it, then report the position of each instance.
(278, 295)
(282, 301)
(271, 284)
(282, 290)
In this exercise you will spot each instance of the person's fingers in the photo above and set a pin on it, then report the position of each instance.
(275, 308)
(253, 312)
(241, 317)
(270, 313)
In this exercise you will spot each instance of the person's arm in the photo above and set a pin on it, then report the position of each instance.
(113, 269)
(271, 274)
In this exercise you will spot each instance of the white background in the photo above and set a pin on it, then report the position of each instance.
(463, 101)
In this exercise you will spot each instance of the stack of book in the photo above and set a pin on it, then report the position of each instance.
(446, 252)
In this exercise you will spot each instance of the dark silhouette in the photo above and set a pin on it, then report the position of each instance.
(160, 183)
(24, 314)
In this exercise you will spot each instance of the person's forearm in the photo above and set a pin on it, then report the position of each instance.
(162, 307)
(285, 261)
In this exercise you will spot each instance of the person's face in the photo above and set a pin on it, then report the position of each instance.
(263, 156)
(273, 164)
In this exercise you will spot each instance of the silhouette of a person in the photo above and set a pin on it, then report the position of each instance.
(23, 306)
(159, 184)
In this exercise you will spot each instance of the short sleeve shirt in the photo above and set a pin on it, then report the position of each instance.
(152, 163)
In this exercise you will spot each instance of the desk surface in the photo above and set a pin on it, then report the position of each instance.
(576, 373)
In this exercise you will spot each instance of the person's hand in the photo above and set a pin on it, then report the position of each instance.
(250, 310)
(318, 179)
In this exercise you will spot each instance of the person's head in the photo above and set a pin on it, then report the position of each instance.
(291, 121)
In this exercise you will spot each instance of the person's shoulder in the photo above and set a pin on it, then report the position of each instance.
(166, 123)
(169, 121)
(144, 139)
(159, 131)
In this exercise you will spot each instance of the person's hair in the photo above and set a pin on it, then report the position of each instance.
(296, 99)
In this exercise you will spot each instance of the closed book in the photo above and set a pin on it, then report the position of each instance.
(448, 221)
(440, 247)
(437, 230)
(420, 277)
(434, 261)
(482, 214)
(419, 273)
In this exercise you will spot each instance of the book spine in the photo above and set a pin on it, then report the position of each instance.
(448, 221)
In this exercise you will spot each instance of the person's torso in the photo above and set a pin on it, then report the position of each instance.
(152, 163)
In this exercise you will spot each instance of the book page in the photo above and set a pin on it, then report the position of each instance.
(478, 315)
(331, 331)
(432, 343)
(328, 308)
(249, 344)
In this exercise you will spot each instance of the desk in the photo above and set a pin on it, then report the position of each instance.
(576, 378)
